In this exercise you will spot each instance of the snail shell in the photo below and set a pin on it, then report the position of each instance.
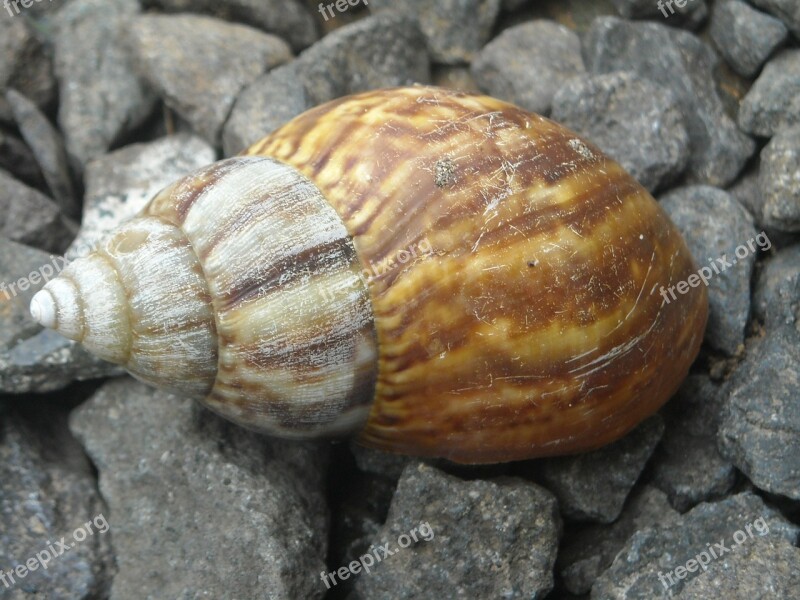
(525, 319)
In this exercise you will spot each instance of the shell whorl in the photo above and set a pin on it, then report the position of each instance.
(534, 325)
(237, 285)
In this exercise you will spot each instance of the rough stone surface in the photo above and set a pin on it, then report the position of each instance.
(765, 568)
(773, 103)
(47, 361)
(526, 64)
(587, 551)
(381, 51)
(691, 14)
(506, 527)
(745, 36)
(776, 301)
(101, 97)
(120, 184)
(714, 226)
(48, 493)
(454, 29)
(760, 426)
(244, 514)
(593, 486)
(636, 122)
(199, 64)
(18, 159)
(680, 61)
(29, 217)
(687, 465)
(48, 147)
(25, 64)
(787, 11)
(779, 181)
(16, 290)
(662, 549)
(287, 19)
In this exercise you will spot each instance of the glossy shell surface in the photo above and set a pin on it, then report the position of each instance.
(533, 326)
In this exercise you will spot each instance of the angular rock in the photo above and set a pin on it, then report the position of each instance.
(745, 36)
(779, 181)
(18, 159)
(17, 287)
(454, 29)
(101, 98)
(776, 300)
(119, 184)
(766, 568)
(760, 426)
(691, 14)
(381, 51)
(787, 11)
(647, 567)
(477, 539)
(48, 147)
(593, 486)
(721, 237)
(200, 64)
(588, 551)
(48, 493)
(687, 465)
(636, 122)
(47, 361)
(29, 217)
(241, 513)
(681, 62)
(528, 63)
(773, 102)
(25, 64)
(288, 19)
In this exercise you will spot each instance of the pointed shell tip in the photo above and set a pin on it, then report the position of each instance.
(43, 309)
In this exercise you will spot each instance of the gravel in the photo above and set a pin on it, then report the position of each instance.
(715, 226)
(507, 527)
(455, 30)
(593, 486)
(779, 181)
(773, 103)
(635, 121)
(527, 64)
(199, 64)
(647, 566)
(682, 62)
(100, 100)
(241, 513)
(745, 36)
(687, 465)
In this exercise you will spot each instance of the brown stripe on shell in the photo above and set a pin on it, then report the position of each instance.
(534, 326)
(294, 324)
